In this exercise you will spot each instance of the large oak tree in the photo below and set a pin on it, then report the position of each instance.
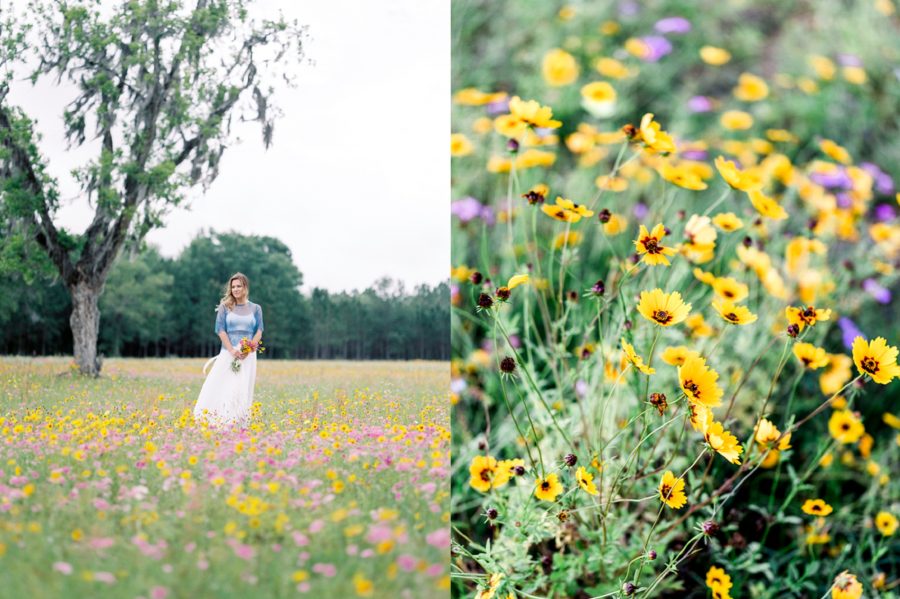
(157, 86)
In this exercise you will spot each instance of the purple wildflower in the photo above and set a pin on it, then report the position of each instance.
(469, 208)
(673, 25)
(885, 212)
(881, 294)
(837, 178)
(498, 107)
(581, 387)
(657, 47)
(849, 331)
(884, 185)
(640, 211)
(699, 104)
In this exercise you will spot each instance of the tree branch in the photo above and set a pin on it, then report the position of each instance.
(18, 163)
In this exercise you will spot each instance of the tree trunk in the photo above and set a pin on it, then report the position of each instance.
(85, 323)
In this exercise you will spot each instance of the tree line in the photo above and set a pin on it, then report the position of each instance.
(157, 306)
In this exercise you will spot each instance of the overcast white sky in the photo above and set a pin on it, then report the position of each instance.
(357, 180)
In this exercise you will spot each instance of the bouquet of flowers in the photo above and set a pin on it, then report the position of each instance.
(245, 348)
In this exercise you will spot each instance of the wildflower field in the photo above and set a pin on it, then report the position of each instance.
(675, 252)
(338, 488)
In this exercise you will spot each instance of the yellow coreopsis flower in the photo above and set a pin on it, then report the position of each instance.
(682, 177)
(766, 206)
(483, 471)
(565, 239)
(734, 313)
(599, 98)
(704, 277)
(816, 507)
(654, 138)
(767, 433)
(698, 326)
(635, 359)
(701, 239)
(509, 125)
(714, 56)
(833, 150)
(735, 177)
(728, 221)
(876, 359)
(845, 427)
(548, 489)
(807, 316)
(649, 246)
(460, 145)
(531, 158)
(846, 586)
(855, 75)
(723, 442)
(566, 210)
(701, 416)
(886, 523)
(494, 582)
(517, 280)
(532, 113)
(607, 183)
(698, 382)
(471, 96)
(665, 309)
(616, 225)
(612, 68)
(736, 120)
(751, 88)
(730, 289)
(559, 68)
(717, 578)
(812, 357)
(671, 491)
(677, 355)
(586, 481)
(823, 67)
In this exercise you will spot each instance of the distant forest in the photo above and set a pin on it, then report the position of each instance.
(156, 306)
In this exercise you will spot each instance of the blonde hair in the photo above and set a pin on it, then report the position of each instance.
(228, 300)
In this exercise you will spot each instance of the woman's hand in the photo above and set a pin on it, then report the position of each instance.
(236, 353)
(242, 356)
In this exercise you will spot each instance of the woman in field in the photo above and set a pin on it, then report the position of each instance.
(227, 393)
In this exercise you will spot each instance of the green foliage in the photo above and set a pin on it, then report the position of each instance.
(152, 305)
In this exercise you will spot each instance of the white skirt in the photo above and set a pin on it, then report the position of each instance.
(226, 395)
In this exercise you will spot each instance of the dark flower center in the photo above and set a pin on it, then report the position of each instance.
(534, 197)
(692, 387)
(545, 486)
(662, 316)
(651, 245)
(869, 365)
(665, 490)
(732, 317)
(486, 475)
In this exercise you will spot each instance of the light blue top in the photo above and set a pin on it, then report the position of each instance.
(242, 321)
